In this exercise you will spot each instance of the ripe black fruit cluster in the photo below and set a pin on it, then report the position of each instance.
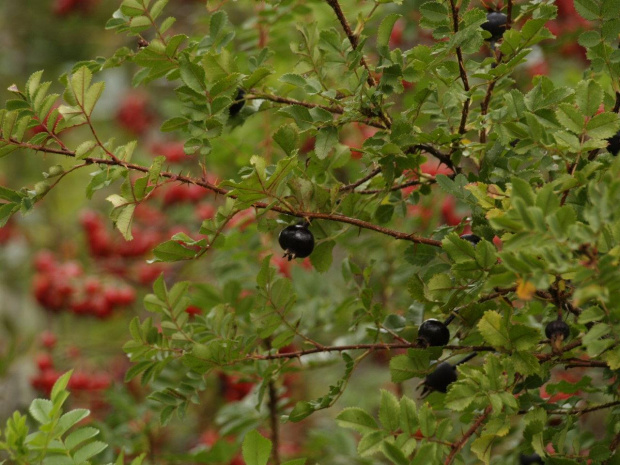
(433, 333)
(236, 107)
(297, 241)
(496, 25)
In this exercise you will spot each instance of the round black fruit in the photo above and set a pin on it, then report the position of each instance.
(613, 144)
(439, 380)
(471, 238)
(297, 241)
(557, 329)
(236, 107)
(530, 459)
(433, 333)
(496, 25)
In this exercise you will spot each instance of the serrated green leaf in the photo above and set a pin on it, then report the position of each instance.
(493, 330)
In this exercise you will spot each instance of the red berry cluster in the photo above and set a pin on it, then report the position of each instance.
(47, 374)
(63, 286)
(134, 114)
(126, 258)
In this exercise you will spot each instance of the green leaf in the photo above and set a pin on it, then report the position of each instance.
(570, 117)
(404, 367)
(357, 419)
(589, 96)
(389, 411)
(493, 330)
(287, 137)
(588, 9)
(384, 32)
(171, 251)
(321, 257)
(80, 435)
(89, 450)
(603, 126)
(40, 410)
(326, 138)
(256, 448)
(71, 418)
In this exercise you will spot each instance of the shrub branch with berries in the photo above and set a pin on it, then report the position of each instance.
(448, 225)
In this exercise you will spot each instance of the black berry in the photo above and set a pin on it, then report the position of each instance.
(433, 333)
(297, 241)
(471, 238)
(530, 459)
(496, 25)
(236, 107)
(439, 380)
(613, 144)
(557, 329)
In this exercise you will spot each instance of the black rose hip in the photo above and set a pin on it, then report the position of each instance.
(236, 107)
(433, 333)
(557, 331)
(297, 241)
(439, 380)
(471, 238)
(496, 25)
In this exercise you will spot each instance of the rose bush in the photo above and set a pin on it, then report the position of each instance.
(459, 300)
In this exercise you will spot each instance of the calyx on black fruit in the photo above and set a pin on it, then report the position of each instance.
(471, 238)
(439, 380)
(297, 241)
(433, 333)
(557, 331)
(236, 107)
(613, 144)
(496, 25)
(530, 459)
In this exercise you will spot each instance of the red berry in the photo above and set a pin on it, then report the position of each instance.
(48, 339)
(44, 361)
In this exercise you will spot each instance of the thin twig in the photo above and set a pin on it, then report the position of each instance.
(275, 423)
(352, 37)
(457, 446)
(368, 177)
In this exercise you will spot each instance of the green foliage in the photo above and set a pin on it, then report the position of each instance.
(58, 437)
(526, 165)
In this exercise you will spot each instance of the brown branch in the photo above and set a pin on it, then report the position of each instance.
(260, 205)
(583, 411)
(369, 176)
(372, 347)
(336, 109)
(275, 424)
(289, 101)
(484, 108)
(352, 37)
(509, 14)
(462, 72)
(457, 446)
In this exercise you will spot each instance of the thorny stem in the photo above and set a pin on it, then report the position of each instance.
(259, 205)
(457, 446)
(462, 72)
(352, 37)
